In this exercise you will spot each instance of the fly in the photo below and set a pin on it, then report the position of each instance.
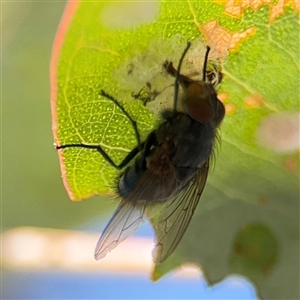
(169, 169)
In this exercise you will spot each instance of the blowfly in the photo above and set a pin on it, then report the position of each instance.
(169, 169)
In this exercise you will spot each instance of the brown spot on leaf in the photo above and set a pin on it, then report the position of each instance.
(263, 199)
(235, 8)
(291, 164)
(223, 97)
(254, 101)
(230, 109)
(217, 37)
(238, 37)
(266, 269)
(221, 40)
(255, 249)
(278, 9)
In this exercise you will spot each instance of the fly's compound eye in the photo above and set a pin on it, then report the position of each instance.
(198, 102)
(220, 112)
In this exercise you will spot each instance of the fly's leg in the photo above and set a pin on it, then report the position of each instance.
(119, 166)
(184, 80)
(168, 66)
(214, 76)
(98, 148)
(133, 122)
(176, 73)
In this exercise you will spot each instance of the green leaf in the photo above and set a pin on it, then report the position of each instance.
(247, 221)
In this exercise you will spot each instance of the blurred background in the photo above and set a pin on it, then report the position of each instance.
(48, 240)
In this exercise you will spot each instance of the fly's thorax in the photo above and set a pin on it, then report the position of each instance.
(195, 145)
(193, 141)
(174, 127)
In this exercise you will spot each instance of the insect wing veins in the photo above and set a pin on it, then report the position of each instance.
(126, 219)
(176, 215)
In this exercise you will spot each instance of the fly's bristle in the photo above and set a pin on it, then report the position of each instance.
(215, 149)
(117, 199)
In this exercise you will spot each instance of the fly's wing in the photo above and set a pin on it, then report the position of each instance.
(126, 219)
(176, 215)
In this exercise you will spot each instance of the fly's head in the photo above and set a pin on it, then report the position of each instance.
(201, 103)
(199, 96)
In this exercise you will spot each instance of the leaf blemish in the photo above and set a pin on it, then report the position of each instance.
(254, 101)
(223, 40)
(144, 76)
(128, 14)
(279, 132)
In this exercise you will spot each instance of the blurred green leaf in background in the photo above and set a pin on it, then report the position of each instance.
(32, 190)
